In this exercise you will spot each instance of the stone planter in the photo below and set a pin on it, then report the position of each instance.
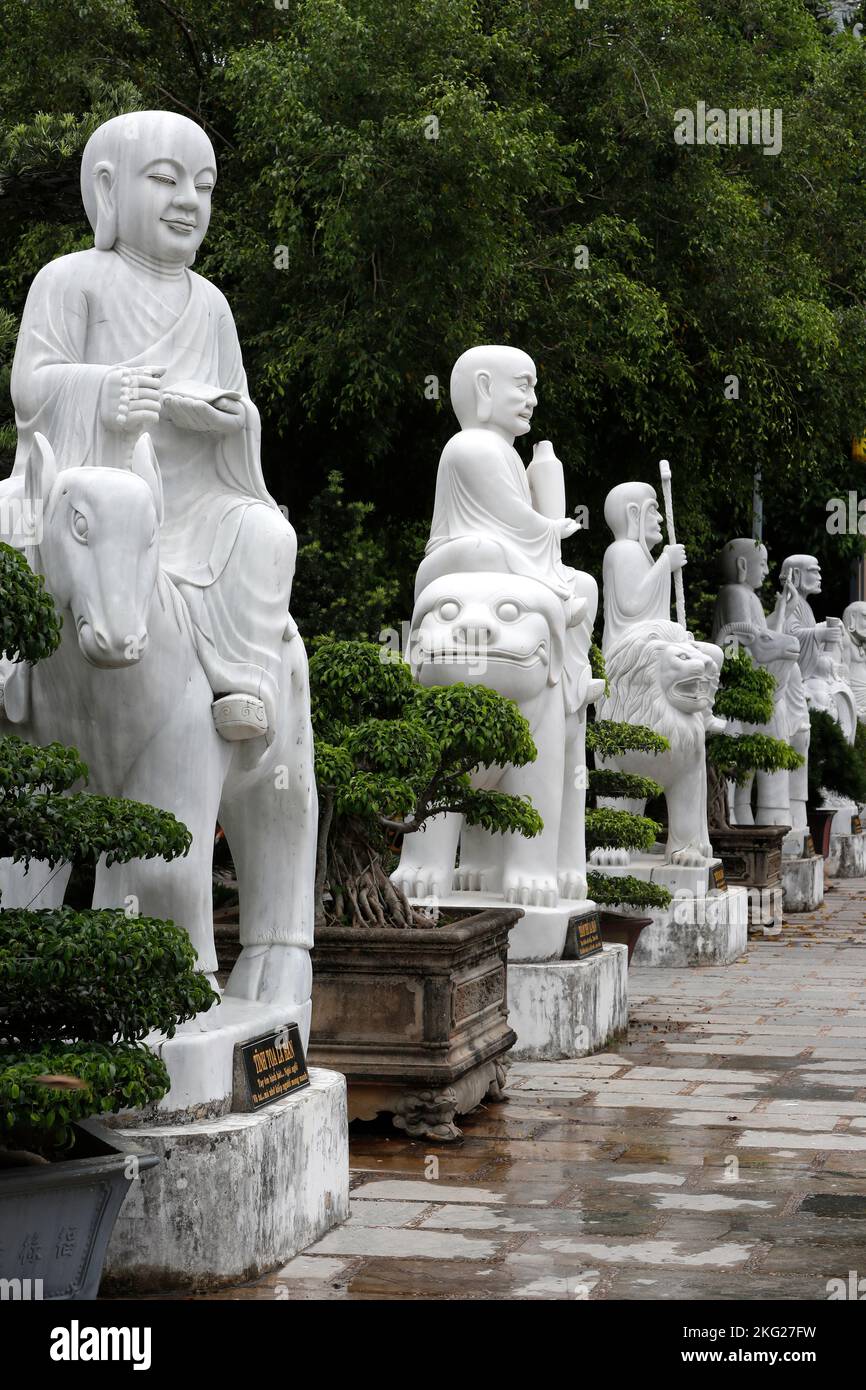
(617, 928)
(57, 1218)
(415, 1019)
(751, 856)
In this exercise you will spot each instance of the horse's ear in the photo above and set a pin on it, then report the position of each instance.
(40, 472)
(144, 463)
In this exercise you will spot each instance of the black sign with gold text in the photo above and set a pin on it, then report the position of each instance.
(856, 826)
(808, 848)
(720, 883)
(274, 1067)
(583, 938)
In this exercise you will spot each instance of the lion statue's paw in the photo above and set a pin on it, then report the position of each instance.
(469, 880)
(272, 973)
(421, 881)
(572, 884)
(530, 892)
(606, 854)
(690, 858)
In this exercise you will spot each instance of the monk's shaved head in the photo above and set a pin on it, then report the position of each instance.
(492, 361)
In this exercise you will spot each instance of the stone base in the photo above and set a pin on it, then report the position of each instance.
(429, 1112)
(541, 932)
(200, 1056)
(803, 883)
(847, 858)
(568, 1008)
(235, 1197)
(706, 930)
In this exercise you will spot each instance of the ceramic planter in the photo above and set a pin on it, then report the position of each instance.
(56, 1219)
(820, 820)
(620, 929)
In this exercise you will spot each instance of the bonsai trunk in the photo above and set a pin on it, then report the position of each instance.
(717, 799)
(350, 873)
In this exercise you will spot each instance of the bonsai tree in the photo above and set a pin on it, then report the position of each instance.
(608, 828)
(745, 695)
(391, 754)
(834, 764)
(79, 990)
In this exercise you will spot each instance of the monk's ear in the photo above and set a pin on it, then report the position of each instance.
(40, 472)
(144, 463)
(632, 512)
(483, 395)
(105, 180)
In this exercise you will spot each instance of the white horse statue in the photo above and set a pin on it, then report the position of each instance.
(126, 688)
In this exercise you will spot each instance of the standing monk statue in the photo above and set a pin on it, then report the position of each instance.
(126, 338)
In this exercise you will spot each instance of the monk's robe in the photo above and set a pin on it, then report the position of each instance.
(814, 659)
(224, 541)
(636, 589)
(482, 490)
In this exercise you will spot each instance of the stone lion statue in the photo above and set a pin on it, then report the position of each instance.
(510, 633)
(660, 677)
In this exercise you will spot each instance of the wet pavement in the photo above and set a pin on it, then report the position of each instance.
(719, 1153)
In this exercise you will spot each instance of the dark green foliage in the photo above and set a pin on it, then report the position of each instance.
(745, 690)
(80, 827)
(834, 764)
(607, 828)
(37, 1115)
(609, 740)
(606, 782)
(95, 974)
(346, 583)
(735, 757)
(390, 754)
(29, 626)
(609, 890)
(597, 665)
(24, 766)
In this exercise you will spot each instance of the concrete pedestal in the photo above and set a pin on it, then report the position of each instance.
(803, 883)
(847, 858)
(702, 926)
(233, 1197)
(567, 1008)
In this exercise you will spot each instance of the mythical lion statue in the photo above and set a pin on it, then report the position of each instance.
(660, 677)
(511, 633)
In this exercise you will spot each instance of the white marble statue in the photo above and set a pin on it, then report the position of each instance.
(658, 674)
(497, 527)
(854, 660)
(821, 643)
(739, 617)
(181, 677)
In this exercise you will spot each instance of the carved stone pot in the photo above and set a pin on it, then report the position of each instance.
(751, 856)
(416, 1019)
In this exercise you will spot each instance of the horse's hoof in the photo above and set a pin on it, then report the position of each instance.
(239, 716)
(272, 974)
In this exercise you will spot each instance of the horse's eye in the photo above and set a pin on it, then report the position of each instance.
(79, 525)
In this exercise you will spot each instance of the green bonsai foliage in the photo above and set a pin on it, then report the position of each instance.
(78, 990)
(834, 765)
(391, 754)
(745, 695)
(607, 828)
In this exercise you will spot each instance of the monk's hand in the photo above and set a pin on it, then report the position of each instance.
(677, 556)
(567, 527)
(130, 399)
(188, 413)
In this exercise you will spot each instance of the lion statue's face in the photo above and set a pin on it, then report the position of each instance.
(683, 675)
(488, 629)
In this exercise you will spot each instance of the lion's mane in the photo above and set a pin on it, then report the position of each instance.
(636, 694)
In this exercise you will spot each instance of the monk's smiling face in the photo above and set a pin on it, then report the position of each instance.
(146, 180)
(164, 192)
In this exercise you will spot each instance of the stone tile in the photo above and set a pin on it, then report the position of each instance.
(400, 1244)
(668, 1253)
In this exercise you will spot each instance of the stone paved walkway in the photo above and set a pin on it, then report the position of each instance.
(719, 1154)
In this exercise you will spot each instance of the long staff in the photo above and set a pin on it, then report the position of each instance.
(679, 591)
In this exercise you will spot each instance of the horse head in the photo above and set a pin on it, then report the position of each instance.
(99, 551)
